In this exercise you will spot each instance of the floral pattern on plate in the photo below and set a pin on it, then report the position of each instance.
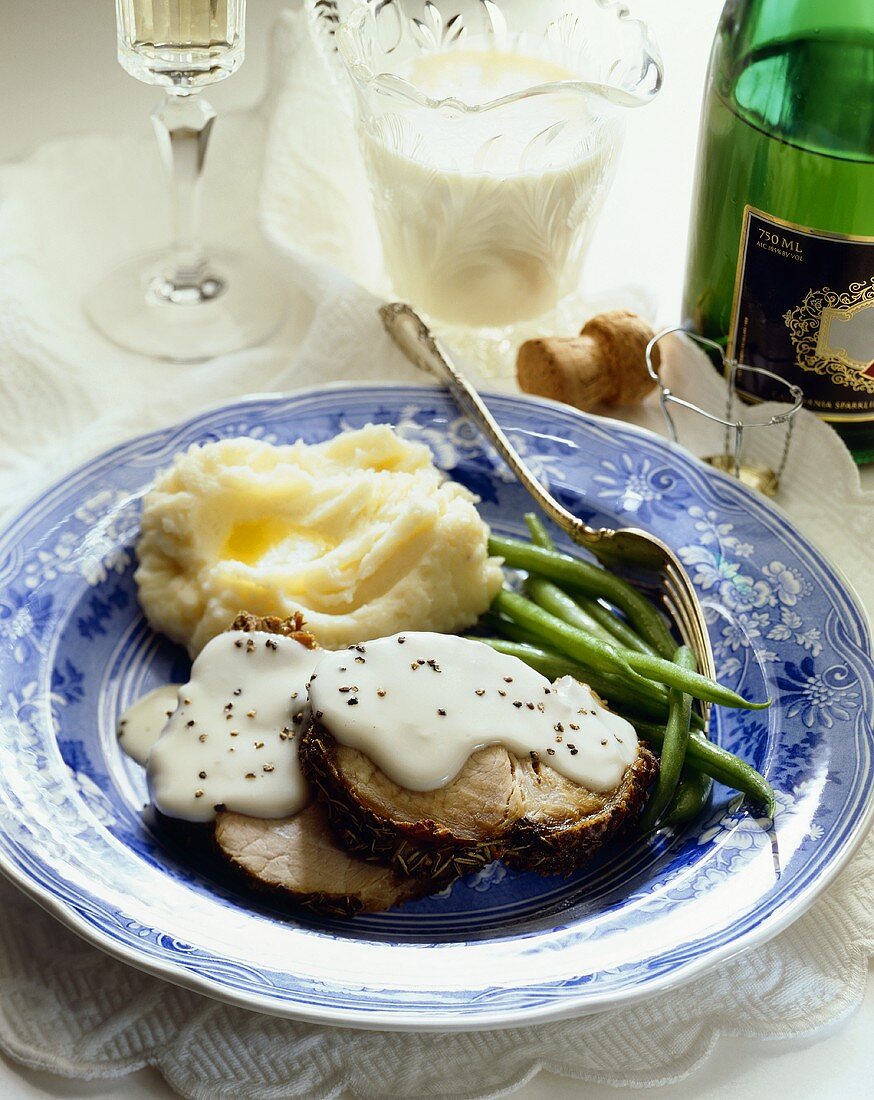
(499, 947)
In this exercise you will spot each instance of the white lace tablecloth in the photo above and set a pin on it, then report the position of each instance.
(66, 395)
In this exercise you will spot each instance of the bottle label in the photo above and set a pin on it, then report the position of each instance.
(804, 309)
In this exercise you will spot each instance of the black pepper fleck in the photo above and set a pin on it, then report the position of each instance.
(517, 703)
(202, 737)
(201, 775)
(441, 712)
(353, 702)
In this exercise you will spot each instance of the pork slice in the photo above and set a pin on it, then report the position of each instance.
(436, 835)
(299, 857)
(499, 806)
(564, 823)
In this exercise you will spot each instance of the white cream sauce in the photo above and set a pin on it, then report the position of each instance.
(418, 704)
(231, 742)
(141, 724)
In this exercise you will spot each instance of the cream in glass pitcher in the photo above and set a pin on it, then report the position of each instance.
(490, 132)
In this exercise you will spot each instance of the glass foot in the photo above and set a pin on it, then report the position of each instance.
(236, 303)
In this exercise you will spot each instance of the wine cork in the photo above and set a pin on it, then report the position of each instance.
(604, 366)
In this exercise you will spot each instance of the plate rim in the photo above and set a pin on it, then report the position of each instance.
(440, 1020)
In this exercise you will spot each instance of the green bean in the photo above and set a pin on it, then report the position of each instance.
(651, 697)
(579, 645)
(591, 581)
(557, 602)
(620, 631)
(617, 695)
(603, 656)
(701, 687)
(719, 764)
(638, 702)
(690, 798)
(673, 747)
(547, 662)
(616, 629)
(536, 529)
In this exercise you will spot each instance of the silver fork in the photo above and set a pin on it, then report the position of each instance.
(645, 560)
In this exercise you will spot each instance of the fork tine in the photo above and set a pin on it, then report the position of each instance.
(689, 616)
(682, 603)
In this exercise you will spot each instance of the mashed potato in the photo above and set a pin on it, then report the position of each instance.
(360, 533)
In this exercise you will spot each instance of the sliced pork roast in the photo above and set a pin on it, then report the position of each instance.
(505, 801)
(498, 807)
(298, 858)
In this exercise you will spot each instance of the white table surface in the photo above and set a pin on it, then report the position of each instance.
(57, 69)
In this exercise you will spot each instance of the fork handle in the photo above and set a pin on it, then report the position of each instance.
(416, 341)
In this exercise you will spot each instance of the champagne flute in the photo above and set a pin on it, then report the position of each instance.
(184, 305)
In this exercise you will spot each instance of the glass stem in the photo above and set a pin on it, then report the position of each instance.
(183, 122)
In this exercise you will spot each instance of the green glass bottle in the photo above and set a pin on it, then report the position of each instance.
(781, 252)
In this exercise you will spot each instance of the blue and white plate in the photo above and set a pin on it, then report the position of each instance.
(498, 948)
